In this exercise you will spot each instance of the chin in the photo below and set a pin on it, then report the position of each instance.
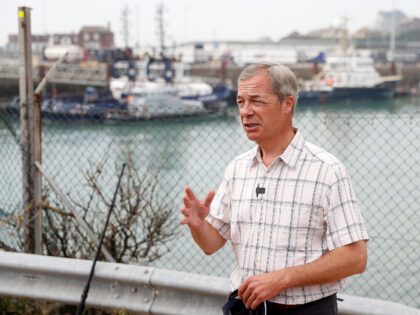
(252, 137)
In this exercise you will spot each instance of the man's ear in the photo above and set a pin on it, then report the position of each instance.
(288, 104)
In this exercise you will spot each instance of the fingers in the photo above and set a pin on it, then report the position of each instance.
(247, 293)
(186, 219)
(187, 201)
(244, 291)
(254, 302)
(190, 193)
(191, 198)
(209, 198)
(251, 299)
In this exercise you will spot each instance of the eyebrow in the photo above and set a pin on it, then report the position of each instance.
(251, 96)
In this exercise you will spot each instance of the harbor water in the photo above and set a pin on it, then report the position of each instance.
(378, 141)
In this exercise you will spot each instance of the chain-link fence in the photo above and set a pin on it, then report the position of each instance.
(380, 148)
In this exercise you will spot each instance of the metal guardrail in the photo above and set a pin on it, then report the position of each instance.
(145, 290)
(140, 289)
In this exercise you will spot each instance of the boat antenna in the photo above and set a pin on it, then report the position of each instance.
(81, 305)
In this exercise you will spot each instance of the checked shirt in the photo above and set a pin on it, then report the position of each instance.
(307, 209)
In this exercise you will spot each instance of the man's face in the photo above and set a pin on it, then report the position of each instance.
(262, 117)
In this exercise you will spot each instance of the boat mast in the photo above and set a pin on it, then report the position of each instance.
(125, 26)
(344, 40)
(392, 35)
(137, 30)
(161, 28)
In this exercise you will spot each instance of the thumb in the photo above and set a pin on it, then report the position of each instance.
(209, 198)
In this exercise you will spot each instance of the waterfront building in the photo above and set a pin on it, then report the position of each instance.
(96, 37)
(286, 51)
(39, 42)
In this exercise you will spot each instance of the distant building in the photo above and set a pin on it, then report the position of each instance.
(328, 32)
(39, 42)
(96, 37)
(89, 38)
(286, 51)
(409, 25)
(386, 20)
(57, 39)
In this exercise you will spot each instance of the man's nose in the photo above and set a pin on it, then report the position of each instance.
(246, 109)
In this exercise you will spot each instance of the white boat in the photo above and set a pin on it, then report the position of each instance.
(355, 77)
(164, 72)
(348, 75)
(153, 101)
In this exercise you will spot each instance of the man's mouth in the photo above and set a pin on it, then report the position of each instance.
(247, 125)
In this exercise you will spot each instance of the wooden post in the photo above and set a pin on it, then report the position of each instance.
(30, 176)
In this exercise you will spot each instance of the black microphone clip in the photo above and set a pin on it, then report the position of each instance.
(259, 190)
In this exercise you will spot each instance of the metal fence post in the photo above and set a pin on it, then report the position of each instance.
(30, 137)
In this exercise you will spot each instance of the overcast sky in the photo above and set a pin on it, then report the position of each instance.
(188, 20)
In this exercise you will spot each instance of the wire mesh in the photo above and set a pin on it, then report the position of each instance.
(378, 146)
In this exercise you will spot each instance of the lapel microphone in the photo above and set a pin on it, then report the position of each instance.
(259, 190)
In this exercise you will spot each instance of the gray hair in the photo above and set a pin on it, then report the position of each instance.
(282, 80)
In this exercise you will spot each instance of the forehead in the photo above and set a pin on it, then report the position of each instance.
(257, 85)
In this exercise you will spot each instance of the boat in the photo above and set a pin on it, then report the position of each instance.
(72, 109)
(147, 101)
(354, 77)
(166, 72)
(90, 106)
(347, 75)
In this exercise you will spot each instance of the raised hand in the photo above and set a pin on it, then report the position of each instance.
(195, 210)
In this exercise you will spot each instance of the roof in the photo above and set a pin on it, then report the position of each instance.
(100, 29)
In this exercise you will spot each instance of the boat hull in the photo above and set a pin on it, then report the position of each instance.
(351, 94)
(337, 94)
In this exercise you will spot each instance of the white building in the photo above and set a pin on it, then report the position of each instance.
(287, 51)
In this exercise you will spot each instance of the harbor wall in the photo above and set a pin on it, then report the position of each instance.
(410, 77)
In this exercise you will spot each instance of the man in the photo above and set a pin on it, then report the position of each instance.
(287, 207)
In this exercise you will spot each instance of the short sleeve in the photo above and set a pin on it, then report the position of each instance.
(219, 216)
(342, 215)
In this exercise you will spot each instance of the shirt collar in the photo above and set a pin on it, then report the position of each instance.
(290, 156)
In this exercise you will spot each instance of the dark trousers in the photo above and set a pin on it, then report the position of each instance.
(325, 306)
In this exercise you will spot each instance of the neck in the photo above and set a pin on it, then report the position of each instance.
(272, 148)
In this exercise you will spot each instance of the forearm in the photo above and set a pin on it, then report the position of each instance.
(333, 266)
(207, 237)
